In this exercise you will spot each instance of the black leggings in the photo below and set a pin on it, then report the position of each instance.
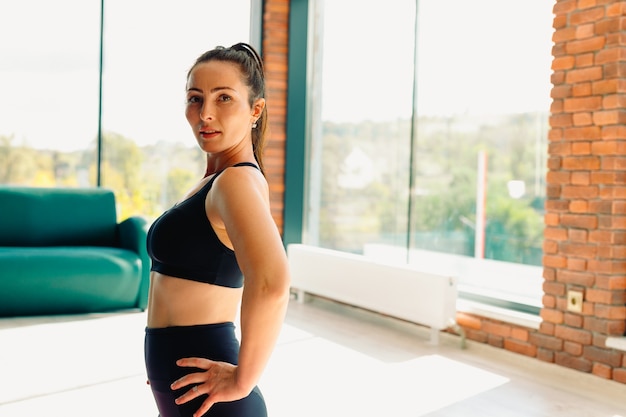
(164, 346)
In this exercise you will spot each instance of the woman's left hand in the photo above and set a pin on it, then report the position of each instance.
(218, 380)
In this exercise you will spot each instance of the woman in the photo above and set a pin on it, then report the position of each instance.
(204, 246)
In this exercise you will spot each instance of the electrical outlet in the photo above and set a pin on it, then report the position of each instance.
(575, 301)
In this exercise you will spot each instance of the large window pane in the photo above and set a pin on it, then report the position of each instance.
(359, 173)
(49, 90)
(483, 102)
(452, 177)
(150, 156)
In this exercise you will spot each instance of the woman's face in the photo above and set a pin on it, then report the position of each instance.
(217, 107)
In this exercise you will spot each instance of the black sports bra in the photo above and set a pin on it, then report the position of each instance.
(183, 244)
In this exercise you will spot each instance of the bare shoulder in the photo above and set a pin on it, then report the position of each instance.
(242, 182)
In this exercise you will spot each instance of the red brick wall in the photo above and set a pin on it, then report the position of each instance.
(275, 58)
(585, 222)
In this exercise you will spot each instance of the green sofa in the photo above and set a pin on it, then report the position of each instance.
(62, 251)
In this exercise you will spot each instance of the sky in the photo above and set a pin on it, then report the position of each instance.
(465, 64)
(49, 62)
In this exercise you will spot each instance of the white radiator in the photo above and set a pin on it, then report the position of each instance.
(400, 291)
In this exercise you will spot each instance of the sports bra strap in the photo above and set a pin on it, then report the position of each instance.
(246, 164)
(240, 164)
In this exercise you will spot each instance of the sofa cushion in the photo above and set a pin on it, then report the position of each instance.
(32, 216)
(67, 280)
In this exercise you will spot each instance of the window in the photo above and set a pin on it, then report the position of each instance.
(451, 178)
(49, 78)
(49, 83)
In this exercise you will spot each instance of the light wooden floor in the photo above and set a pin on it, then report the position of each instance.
(331, 360)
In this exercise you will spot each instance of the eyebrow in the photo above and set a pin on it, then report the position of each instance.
(213, 90)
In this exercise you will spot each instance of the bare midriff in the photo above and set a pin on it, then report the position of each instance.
(181, 302)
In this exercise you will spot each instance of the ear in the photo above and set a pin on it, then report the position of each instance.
(257, 108)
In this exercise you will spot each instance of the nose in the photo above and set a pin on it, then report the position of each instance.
(206, 112)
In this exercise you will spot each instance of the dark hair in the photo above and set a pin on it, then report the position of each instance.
(249, 61)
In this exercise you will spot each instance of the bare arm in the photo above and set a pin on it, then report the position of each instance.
(262, 259)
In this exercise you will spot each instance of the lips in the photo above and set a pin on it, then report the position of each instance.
(208, 133)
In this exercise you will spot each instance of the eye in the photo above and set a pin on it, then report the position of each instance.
(193, 99)
(224, 98)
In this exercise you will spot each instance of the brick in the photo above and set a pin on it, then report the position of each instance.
(579, 191)
(573, 320)
(578, 235)
(545, 341)
(549, 274)
(582, 89)
(497, 329)
(563, 63)
(520, 347)
(617, 251)
(608, 54)
(613, 163)
(582, 133)
(581, 163)
(476, 336)
(560, 120)
(495, 341)
(579, 220)
(468, 321)
(550, 246)
(545, 355)
(614, 101)
(554, 162)
(573, 362)
(576, 264)
(564, 7)
(584, 31)
(601, 207)
(593, 44)
(551, 219)
(520, 334)
(581, 178)
(578, 249)
(609, 117)
(554, 288)
(582, 104)
(548, 301)
(581, 148)
(613, 132)
(601, 370)
(574, 349)
(606, 177)
(596, 295)
(558, 177)
(612, 312)
(548, 329)
(612, 358)
(587, 11)
(614, 69)
(604, 326)
(553, 191)
(554, 261)
(603, 87)
(619, 375)
(575, 335)
(585, 279)
(611, 282)
(552, 316)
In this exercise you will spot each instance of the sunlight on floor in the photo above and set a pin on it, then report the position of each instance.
(330, 376)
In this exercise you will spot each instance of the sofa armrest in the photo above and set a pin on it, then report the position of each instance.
(132, 234)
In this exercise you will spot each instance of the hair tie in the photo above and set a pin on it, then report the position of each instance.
(248, 49)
